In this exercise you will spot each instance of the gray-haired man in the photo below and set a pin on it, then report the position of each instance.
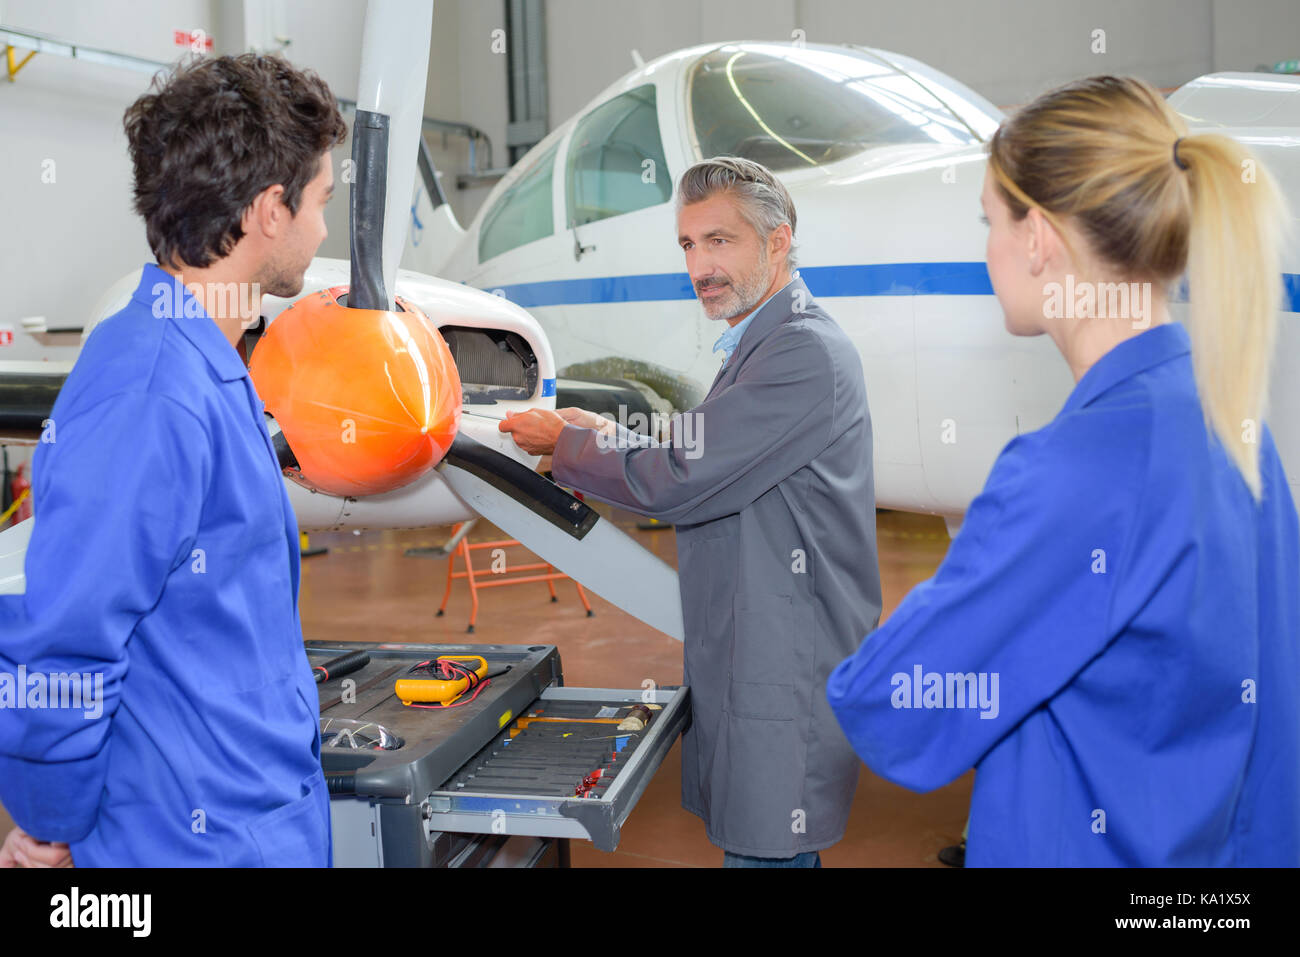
(775, 516)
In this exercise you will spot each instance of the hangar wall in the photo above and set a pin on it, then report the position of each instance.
(995, 46)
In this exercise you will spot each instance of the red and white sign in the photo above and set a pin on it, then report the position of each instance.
(6, 336)
(196, 40)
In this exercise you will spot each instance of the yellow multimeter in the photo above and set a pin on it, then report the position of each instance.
(442, 680)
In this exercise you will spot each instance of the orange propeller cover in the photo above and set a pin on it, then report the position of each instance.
(368, 400)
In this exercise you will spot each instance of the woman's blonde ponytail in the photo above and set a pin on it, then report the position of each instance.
(1234, 283)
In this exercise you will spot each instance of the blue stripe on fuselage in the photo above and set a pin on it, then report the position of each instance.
(873, 279)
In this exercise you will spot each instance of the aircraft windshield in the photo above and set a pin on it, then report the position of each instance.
(793, 107)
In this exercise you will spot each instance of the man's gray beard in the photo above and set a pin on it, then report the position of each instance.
(749, 294)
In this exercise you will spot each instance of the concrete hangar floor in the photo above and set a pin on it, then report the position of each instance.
(366, 588)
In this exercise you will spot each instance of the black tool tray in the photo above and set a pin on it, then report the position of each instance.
(456, 765)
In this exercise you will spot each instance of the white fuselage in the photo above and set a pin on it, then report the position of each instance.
(890, 243)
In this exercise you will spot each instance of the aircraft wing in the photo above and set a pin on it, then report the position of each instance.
(13, 550)
(27, 394)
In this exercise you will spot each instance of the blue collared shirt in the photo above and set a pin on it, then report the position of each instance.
(729, 341)
(163, 562)
(1112, 641)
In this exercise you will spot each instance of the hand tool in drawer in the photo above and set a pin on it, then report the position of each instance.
(340, 666)
(561, 757)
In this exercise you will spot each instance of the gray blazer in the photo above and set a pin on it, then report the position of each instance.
(769, 483)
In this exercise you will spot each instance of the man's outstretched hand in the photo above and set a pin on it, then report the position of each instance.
(537, 430)
(22, 850)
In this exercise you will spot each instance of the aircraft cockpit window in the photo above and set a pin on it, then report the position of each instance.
(790, 107)
(616, 160)
(521, 214)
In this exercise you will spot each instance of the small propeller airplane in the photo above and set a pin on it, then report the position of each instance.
(884, 158)
(573, 256)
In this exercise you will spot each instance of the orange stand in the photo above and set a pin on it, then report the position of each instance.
(477, 576)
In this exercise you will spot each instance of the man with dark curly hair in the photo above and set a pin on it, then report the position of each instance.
(162, 572)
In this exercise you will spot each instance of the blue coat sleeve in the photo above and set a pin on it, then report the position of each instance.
(736, 445)
(1019, 605)
(118, 495)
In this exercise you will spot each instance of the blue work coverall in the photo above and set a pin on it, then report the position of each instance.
(1112, 641)
(164, 563)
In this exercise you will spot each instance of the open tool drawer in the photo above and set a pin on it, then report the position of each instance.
(524, 780)
(410, 786)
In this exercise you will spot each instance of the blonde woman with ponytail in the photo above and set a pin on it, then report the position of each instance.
(1113, 639)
